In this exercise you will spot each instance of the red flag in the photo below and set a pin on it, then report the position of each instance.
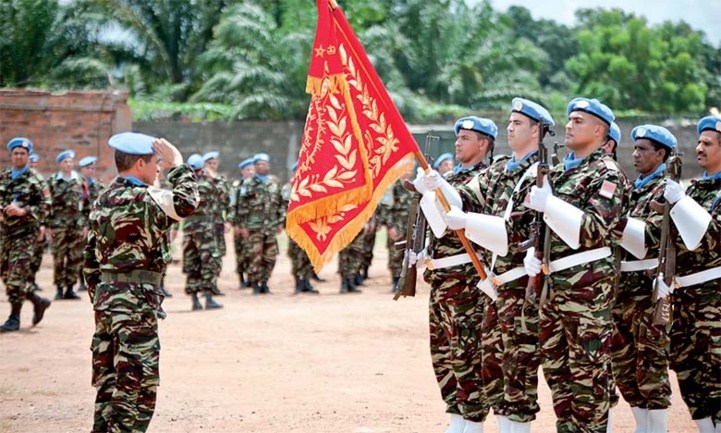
(355, 143)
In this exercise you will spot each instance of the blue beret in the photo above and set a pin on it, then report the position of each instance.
(132, 143)
(532, 110)
(246, 162)
(712, 123)
(21, 142)
(615, 133)
(211, 155)
(441, 158)
(261, 157)
(659, 134)
(88, 160)
(473, 123)
(65, 154)
(592, 106)
(34, 157)
(195, 161)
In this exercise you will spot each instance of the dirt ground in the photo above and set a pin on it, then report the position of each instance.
(267, 364)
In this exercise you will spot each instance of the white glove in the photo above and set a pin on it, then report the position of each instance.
(531, 263)
(539, 196)
(455, 218)
(414, 257)
(425, 182)
(662, 290)
(674, 192)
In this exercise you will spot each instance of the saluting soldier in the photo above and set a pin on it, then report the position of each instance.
(695, 353)
(640, 364)
(582, 211)
(456, 308)
(124, 258)
(25, 201)
(260, 218)
(497, 220)
(66, 224)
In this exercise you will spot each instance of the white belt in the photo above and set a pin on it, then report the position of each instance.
(447, 262)
(639, 265)
(699, 277)
(579, 259)
(489, 286)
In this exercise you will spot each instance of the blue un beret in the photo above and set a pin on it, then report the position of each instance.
(21, 142)
(473, 123)
(195, 161)
(592, 106)
(656, 133)
(211, 155)
(34, 157)
(441, 158)
(132, 143)
(246, 162)
(261, 157)
(615, 133)
(532, 110)
(88, 160)
(65, 154)
(712, 123)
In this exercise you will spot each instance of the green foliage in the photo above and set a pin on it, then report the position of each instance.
(144, 110)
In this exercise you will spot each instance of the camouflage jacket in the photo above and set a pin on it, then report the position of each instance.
(203, 217)
(126, 233)
(707, 193)
(396, 214)
(489, 193)
(91, 191)
(597, 187)
(221, 199)
(69, 202)
(260, 205)
(30, 192)
(450, 244)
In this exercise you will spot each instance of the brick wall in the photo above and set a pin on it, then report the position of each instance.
(80, 121)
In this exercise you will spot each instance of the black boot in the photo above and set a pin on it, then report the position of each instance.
(359, 279)
(364, 272)
(59, 293)
(210, 303)
(70, 293)
(352, 288)
(317, 278)
(257, 290)
(40, 304)
(13, 322)
(264, 287)
(197, 306)
(307, 288)
(343, 285)
(246, 282)
(299, 286)
(395, 284)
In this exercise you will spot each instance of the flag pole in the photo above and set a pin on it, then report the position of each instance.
(333, 4)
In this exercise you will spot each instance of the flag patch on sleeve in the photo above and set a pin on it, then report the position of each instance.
(607, 189)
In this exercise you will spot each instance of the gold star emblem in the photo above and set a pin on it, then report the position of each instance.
(320, 51)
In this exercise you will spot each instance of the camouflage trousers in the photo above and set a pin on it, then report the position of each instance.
(368, 245)
(395, 257)
(262, 252)
(350, 257)
(200, 259)
(220, 238)
(126, 353)
(37, 259)
(575, 336)
(455, 318)
(241, 256)
(16, 254)
(67, 249)
(300, 263)
(695, 353)
(511, 355)
(640, 363)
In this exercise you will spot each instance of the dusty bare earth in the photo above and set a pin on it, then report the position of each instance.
(281, 363)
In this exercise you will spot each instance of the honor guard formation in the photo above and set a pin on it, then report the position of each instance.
(602, 281)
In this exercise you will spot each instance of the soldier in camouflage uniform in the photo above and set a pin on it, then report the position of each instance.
(200, 249)
(396, 222)
(370, 243)
(350, 261)
(260, 218)
(91, 191)
(456, 308)
(247, 170)
(24, 200)
(66, 224)
(301, 268)
(124, 257)
(41, 242)
(221, 203)
(695, 353)
(640, 364)
(583, 210)
(497, 220)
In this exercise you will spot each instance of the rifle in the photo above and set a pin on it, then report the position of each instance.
(667, 249)
(415, 240)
